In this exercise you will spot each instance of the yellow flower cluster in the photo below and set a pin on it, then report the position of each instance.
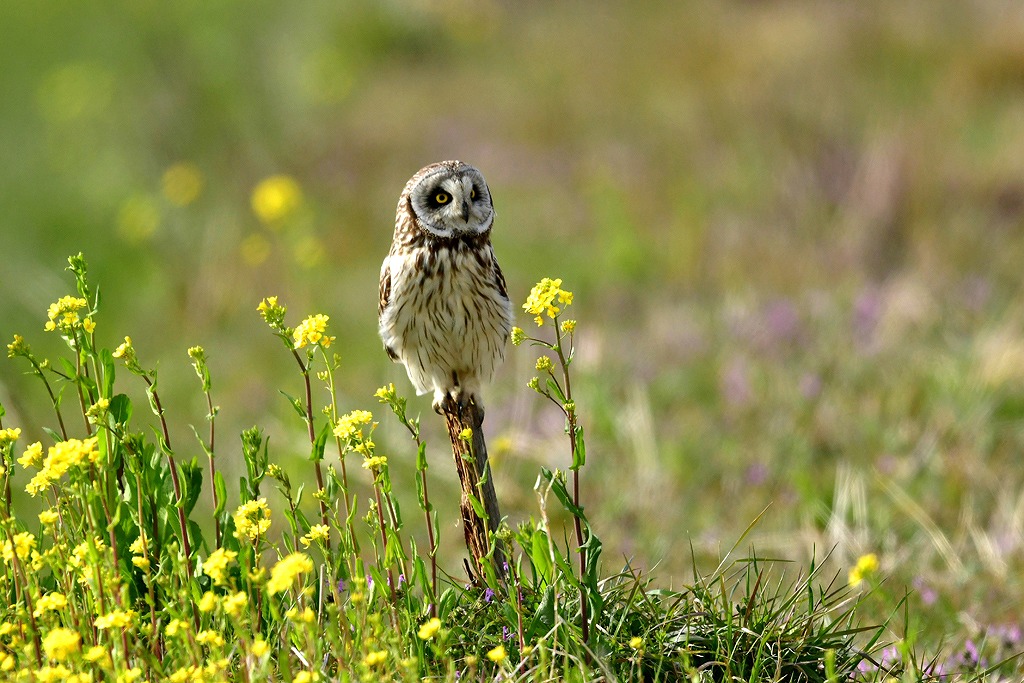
(375, 462)
(252, 520)
(349, 425)
(272, 312)
(866, 566)
(497, 655)
(234, 604)
(375, 658)
(23, 544)
(60, 458)
(51, 602)
(63, 315)
(318, 533)
(518, 336)
(429, 628)
(9, 435)
(18, 347)
(116, 619)
(542, 299)
(61, 643)
(284, 573)
(544, 364)
(313, 330)
(216, 565)
(138, 548)
(276, 198)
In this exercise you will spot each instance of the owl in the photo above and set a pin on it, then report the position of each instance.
(444, 308)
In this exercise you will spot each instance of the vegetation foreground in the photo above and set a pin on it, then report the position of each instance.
(109, 578)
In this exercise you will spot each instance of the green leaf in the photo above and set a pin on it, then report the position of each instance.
(295, 403)
(478, 507)
(421, 458)
(109, 372)
(120, 409)
(222, 493)
(540, 555)
(555, 389)
(579, 455)
(544, 618)
(558, 487)
(57, 438)
(317, 451)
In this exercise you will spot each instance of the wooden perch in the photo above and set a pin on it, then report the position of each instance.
(471, 463)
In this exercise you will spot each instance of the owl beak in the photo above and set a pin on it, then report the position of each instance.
(464, 212)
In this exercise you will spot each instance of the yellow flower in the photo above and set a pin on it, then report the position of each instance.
(376, 462)
(348, 425)
(317, 533)
(130, 676)
(518, 336)
(542, 299)
(50, 602)
(252, 519)
(208, 602)
(52, 674)
(88, 325)
(124, 350)
(116, 619)
(60, 643)
(429, 628)
(9, 435)
(259, 647)
(276, 198)
(217, 564)
(182, 183)
(63, 314)
(272, 313)
(234, 604)
(24, 544)
(866, 566)
(386, 393)
(466, 434)
(141, 562)
(544, 363)
(375, 658)
(209, 637)
(176, 626)
(48, 517)
(33, 456)
(60, 458)
(284, 573)
(636, 642)
(96, 654)
(306, 677)
(498, 654)
(306, 616)
(311, 331)
(139, 545)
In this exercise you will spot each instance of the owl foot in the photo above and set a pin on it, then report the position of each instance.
(456, 401)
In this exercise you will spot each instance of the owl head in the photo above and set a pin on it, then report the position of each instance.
(450, 199)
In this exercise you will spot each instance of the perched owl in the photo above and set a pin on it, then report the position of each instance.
(444, 309)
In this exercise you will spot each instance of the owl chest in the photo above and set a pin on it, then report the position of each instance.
(442, 291)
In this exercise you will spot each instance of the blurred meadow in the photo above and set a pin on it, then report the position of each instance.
(794, 230)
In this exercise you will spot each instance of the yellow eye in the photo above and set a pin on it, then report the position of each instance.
(442, 198)
(472, 193)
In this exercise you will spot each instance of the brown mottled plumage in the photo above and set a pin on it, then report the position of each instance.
(444, 309)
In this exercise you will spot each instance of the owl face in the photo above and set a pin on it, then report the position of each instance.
(451, 199)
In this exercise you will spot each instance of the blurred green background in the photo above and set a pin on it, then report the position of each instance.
(795, 232)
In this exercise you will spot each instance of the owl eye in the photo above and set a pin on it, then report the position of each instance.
(472, 193)
(442, 198)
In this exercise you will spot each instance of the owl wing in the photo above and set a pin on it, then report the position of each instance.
(499, 277)
(385, 287)
(385, 299)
